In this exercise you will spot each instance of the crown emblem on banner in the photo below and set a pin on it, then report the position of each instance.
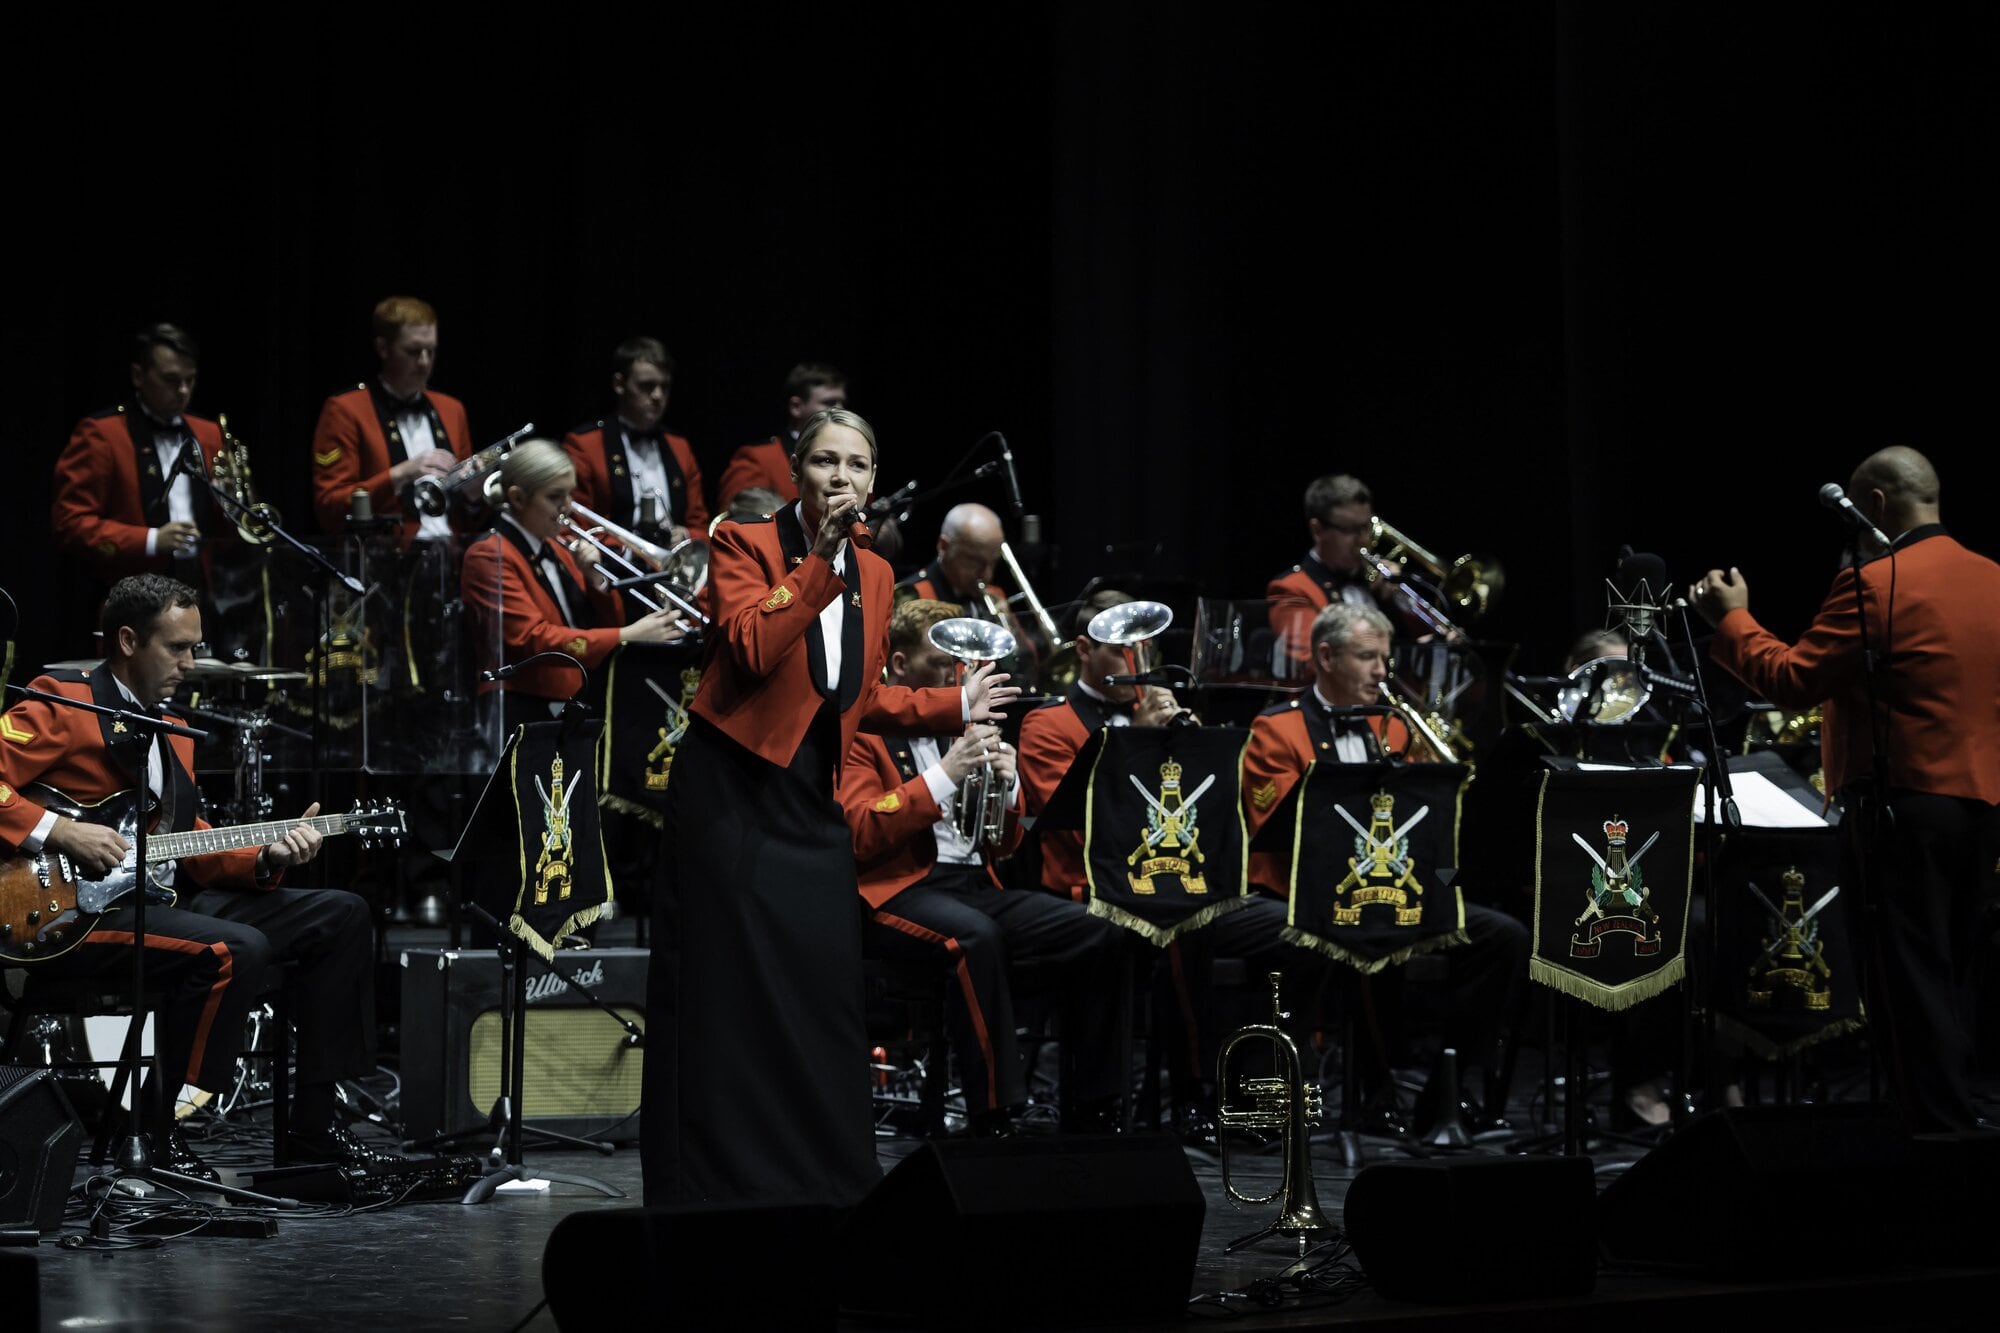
(1382, 803)
(1615, 830)
(1170, 774)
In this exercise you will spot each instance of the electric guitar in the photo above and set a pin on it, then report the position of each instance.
(48, 908)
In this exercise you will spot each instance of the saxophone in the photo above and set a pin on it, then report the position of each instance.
(230, 471)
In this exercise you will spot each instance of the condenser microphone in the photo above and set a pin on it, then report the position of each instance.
(1836, 499)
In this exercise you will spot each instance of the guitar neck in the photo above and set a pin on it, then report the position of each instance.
(200, 842)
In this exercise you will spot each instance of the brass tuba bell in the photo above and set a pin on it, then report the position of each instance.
(1282, 1102)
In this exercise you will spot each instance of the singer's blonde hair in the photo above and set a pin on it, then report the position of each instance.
(833, 416)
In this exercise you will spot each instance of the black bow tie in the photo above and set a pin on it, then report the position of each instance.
(633, 435)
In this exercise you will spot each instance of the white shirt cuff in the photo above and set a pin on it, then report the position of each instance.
(942, 787)
(964, 706)
(33, 842)
(152, 548)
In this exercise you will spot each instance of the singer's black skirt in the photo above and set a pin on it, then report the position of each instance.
(756, 1085)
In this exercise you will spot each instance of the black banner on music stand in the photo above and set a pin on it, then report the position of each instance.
(647, 690)
(1614, 860)
(535, 857)
(1164, 845)
(1787, 957)
(1374, 857)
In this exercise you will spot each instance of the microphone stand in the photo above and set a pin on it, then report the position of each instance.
(1876, 818)
(1719, 797)
(135, 1155)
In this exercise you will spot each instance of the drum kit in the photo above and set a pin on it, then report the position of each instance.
(240, 696)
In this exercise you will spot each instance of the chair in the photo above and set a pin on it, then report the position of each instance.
(84, 997)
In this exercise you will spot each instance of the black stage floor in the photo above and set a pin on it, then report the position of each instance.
(445, 1265)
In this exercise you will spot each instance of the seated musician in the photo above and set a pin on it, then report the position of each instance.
(969, 542)
(211, 953)
(528, 594)
(114, 506)
(1350, 654)
(933, 898)
(628, 468)
(1339, 509)
(812, 387)
(1051, 738)
(381, 436)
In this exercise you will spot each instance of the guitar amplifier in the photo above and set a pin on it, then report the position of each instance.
(581, 1073)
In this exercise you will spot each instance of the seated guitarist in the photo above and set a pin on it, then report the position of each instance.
(209, 954)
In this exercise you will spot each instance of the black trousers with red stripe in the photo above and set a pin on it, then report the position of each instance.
(956, 919)
(212, 959)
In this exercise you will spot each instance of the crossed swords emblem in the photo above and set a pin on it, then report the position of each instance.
(1618, 884)
(1808, 939)
(1164, 821)
(1387, 846)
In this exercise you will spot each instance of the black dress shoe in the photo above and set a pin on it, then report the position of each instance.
(183, 1160)
(332, 1145)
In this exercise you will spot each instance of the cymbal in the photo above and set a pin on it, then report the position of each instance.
(211, 668)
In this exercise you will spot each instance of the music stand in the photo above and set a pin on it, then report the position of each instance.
(491, 812)
(135, 1156)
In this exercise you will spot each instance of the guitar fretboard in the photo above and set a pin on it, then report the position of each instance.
(199, 842)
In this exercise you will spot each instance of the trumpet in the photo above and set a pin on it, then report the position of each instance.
(629, 567)
(1428, 730)
(230, 471)
(480, 473)
(685, 563)
(1283, 1102)
(980, 810)
(1468, 586)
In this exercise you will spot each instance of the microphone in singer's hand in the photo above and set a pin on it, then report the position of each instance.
(857, 528)
(1836, 499)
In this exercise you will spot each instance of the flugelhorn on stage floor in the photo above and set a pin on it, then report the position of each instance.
(980, 810)
(1465, 589)
(1282, 1102)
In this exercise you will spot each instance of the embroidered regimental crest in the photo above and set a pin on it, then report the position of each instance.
(1170, 842)
(6, 794)
(1617, 903)
(1792, 970)
(555, 868)
(890, 803)
(781, 596)
(660, 759)
(1381, 869)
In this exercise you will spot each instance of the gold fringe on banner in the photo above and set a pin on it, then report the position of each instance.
(1369, 966)
(1613, 998)
(606, 801)
(1157, 934)
(1757, 1044)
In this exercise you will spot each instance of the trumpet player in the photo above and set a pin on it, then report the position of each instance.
(1350, 656)
(627, 466)
(932, 897)
(529, 593)
(130, 486)
(381, 436)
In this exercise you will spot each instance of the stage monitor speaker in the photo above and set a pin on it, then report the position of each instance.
(1767, 1189)
(761, 1268)
(1448, 1231)
(581, 1076)
(1027, 1231)
(39, 1138)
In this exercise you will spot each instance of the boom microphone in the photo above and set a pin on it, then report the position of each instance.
(1836, 499)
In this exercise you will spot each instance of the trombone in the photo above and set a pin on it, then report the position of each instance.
(1469, 585)
(980, 812)
(630, 567)
(1282, 1102)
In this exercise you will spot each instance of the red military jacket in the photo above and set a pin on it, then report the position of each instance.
(107, 478)
(892, 813)
(1284, 741)
(513, 607)
(767, 464)
(1940, 684)
(604, 478)
(84, 757)
(758, 682)
(351, 449)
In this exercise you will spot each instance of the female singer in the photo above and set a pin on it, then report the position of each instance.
(529, 594)
(756, 1077)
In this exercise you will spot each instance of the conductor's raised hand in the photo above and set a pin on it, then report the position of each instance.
(1718, 594)
(987, 694)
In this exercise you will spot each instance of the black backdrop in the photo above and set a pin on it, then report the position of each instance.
(1551, 277)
